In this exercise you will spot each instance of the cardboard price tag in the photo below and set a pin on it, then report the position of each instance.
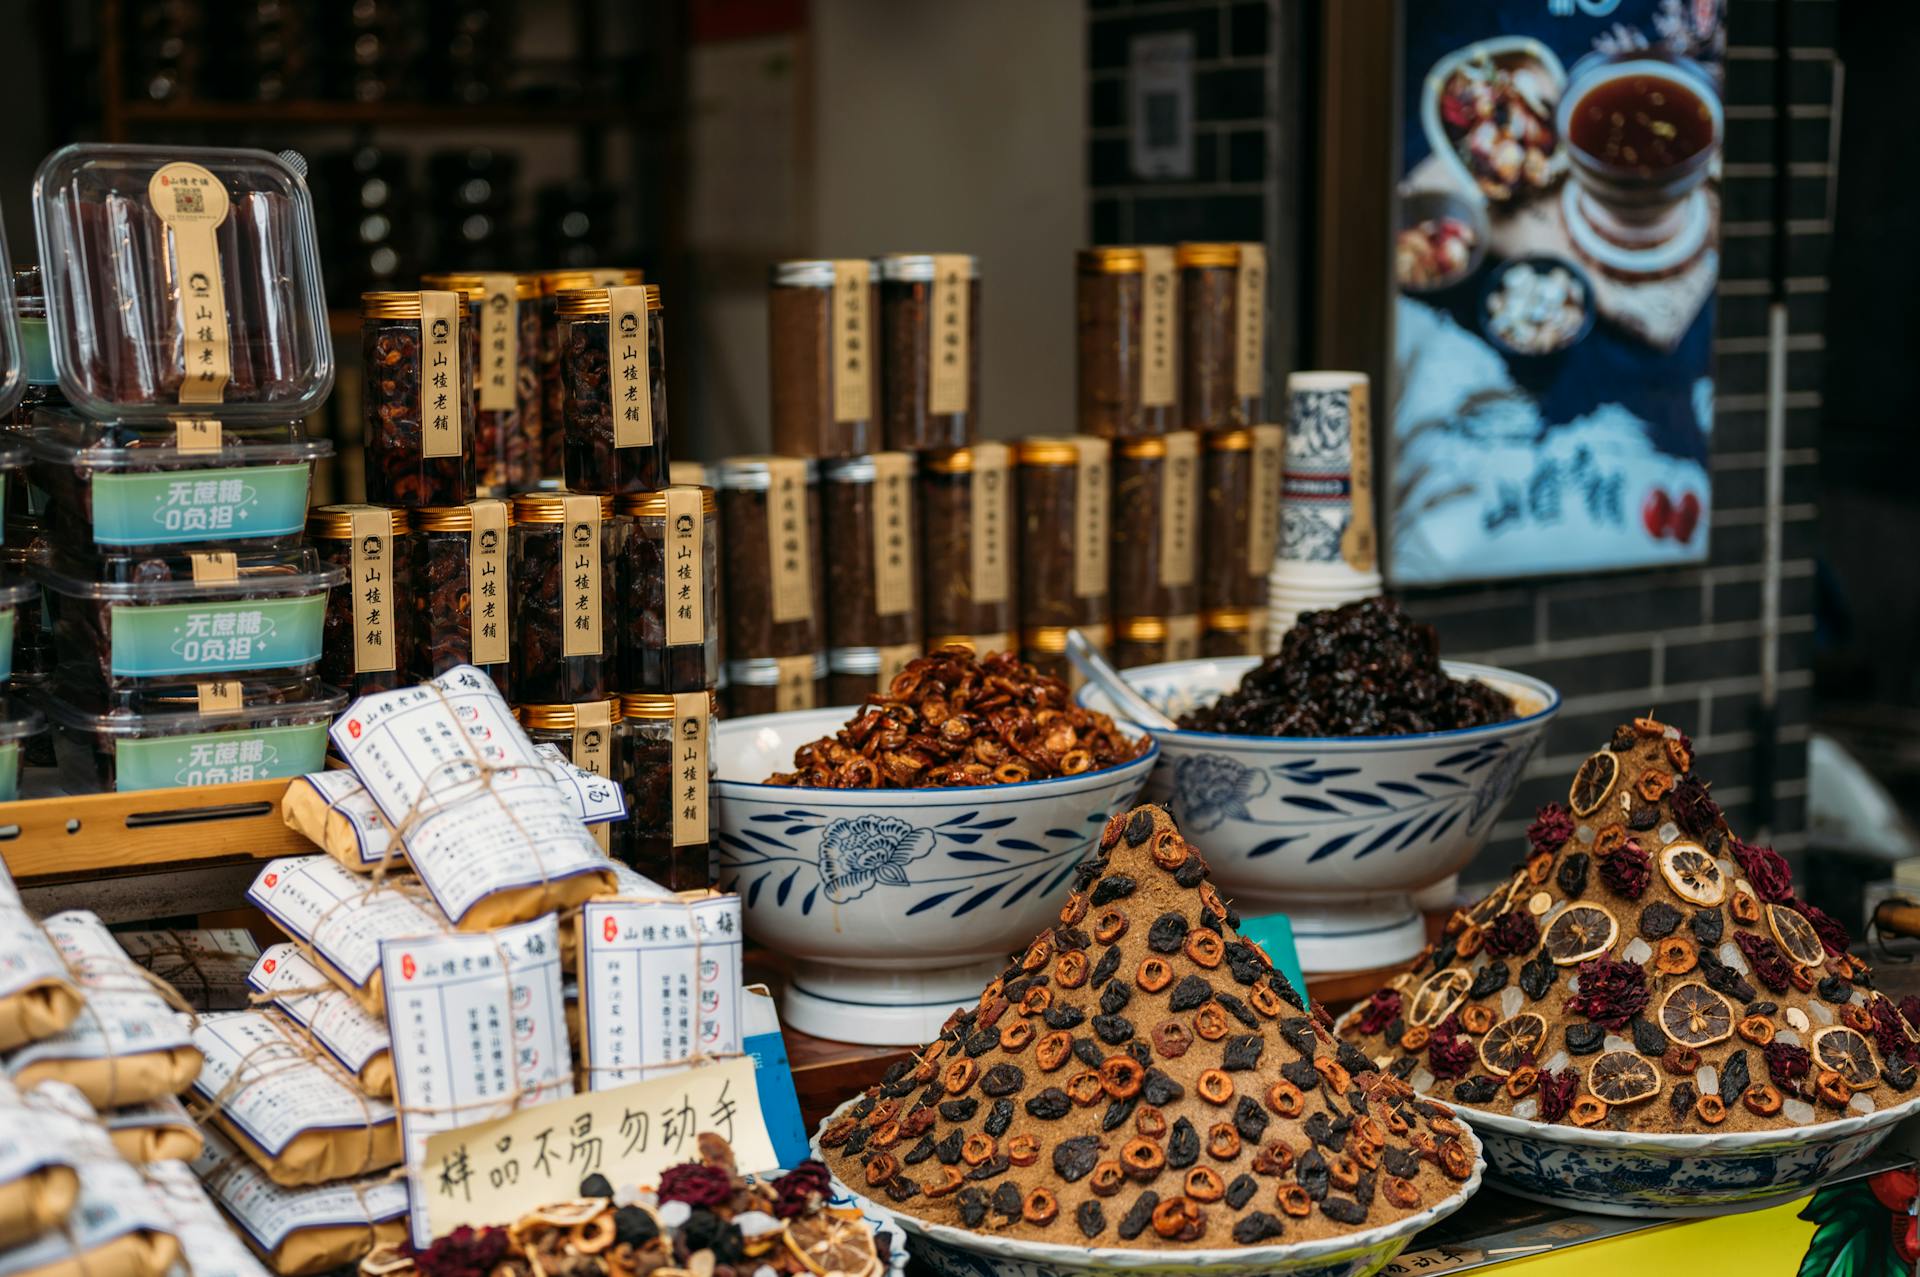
(491, 1172)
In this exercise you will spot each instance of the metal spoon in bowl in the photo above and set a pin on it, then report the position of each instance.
(1094, 668)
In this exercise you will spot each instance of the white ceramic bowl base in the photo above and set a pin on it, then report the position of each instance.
(895, 906)
(1337, 833)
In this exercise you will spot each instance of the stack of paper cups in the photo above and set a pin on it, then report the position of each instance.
(1328, 552)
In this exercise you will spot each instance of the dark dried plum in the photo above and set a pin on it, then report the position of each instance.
(1071, 939)
(919, 1152)
(1724, 979)
(1247, 965)
(1142, 1053)
(1113, 1029)
(1049, 1105)
(1572, 875)
(1303, 1075)
(1584, 1039)
(1403, 1162)
(948, 1148)
(1681, 1099)
(1899, 1074)
(1192, 991)
(1002, 1079)
(1191, 873)
(960, 1110)
(1642, 817)
(1762, 1007)
(1403, 1066)
(978, 1044)
(1061, 1016)
(1299, 1034)
(1140, 826)
(1357, 1096)
(1835, 989)
(1318, 1128)
(1087, 1051)
(1492, 978)
(1183, 1145)
(857, 1142)
(1138, 1215)
(1312, 1173)
(1476, 1090)
(863, 1106)
(1708, 925)
(1114, 1000)
(1092, 1220)
(1103, 970)
(973, 1207)
(1242, 1053)
(1364, 1190)
(1343, 1210)
(1648, 1039)
(999, 1118)
(1624, 739)
(1284, 990)
(902, 1189)
(1659, 920)
(992, 1168)
(1111, 888)
(1074, 1158)
(1238, 1009)
(1160, 1090)
(1250, 1119)
(1734, 1078)
(1352, 1059)
(1241, 1190)
(1537, 976)
(1168, 933)
(1006, 1199)
(1118, 1112)
(1255, 1227)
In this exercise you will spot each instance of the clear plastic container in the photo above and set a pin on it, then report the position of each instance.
(123, 488)
(1156, 539)
(823, 358)
(930, 349)
(13, 485)
(773, 685)
(19, 724)
(32, 649)
(666, 812)
(417, 404)
(968, 547)
(504, 312)
(371, 638)
(149, 622)
(13, 357)
(564, 551)
(1064, 530)
(869, 541)
(19, 605)
(460, 570)
(1127, 304)
(613, 371)
(553, 438)
(775, 588)
(276, 733)
(182, 276)
(670, 591)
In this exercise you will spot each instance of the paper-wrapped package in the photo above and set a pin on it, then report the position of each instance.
(207, 968)
(209, 1247)
(38, 997)
(298, 1231)
(299, 990)
(339, 918)
(38, 1184)
(158, 1131)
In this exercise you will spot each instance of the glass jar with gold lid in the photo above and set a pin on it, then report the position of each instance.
(1127, 307)
(563, 572)
(968, 547)
(465, 604)
(592, 736)
(552, 398)
(1222, 334)
(670, 591)
(614, 382)
(669, 776)
(370, 634)
(417, 406)
(503, 312)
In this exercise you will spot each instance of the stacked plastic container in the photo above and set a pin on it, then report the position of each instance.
(189, 341)
(22, 635)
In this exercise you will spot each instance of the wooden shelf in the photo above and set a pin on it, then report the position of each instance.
(94, 834)
(331, 114)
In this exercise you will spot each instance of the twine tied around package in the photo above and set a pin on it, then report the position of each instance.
(191, 959)
(232, 1164)
(303, 1055)
(640, 1069)
(92, 974)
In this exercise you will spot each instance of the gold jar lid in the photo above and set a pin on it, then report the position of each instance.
(1056, 450)
(554, 282)
(335, 522)
(561, 718)
(392, 305)
(1234, 620)
(551, 507)
(1205, 254)
(454, 518)
(525, 287)
(1142, 448)
(1052, 639)
(1228, 440)
(964, 460)
(1111, 260)
(576, 302)
(658, 705)
(655, 503)
(1141, 629)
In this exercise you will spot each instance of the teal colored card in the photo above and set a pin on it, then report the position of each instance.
(1274, 933)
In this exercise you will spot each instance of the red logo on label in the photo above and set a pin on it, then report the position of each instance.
(406, 966)
(269, 965)
(272, 880)
(610, 929)
(353, 728)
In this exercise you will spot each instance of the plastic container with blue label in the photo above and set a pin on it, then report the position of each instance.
(189, 619)
(18, 723)
(116, 488)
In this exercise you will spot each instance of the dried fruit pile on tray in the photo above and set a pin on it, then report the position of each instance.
(1643, 970)
(1141, 1076)
(703, 1218)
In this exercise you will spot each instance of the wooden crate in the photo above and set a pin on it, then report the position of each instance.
(95, 834)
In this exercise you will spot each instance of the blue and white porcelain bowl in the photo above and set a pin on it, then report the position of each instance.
(1336, 832)
(1629, 1173)
(895, 905)
(958, 1252)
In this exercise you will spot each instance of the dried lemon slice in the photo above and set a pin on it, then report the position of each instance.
(1693, 874)
(828, 1245)
(1578, 933)
(1847, 1053)
(1796, 935)
(1622, 1077)
(1437, 998)
(1513, 1042)
(1694, 1015)
(1593, 782)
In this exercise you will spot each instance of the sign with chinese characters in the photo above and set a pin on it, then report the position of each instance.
(1180, 510)
(499, 343)
(992, 518)
(948, 379)
(440, 391)
(215, 638)
(686, 533)
(627, 355)
(1090, 504)
(1159, 366)
(193, 202)
(1250, 323)
(1263, 516)
(788, 540)
(370, 562)
(580, 578)
(219, 758)
(210, 505)
(852, 341)
(692, 782)
(486, 1174)
(659, 986)
(893, 545)
(487, 583)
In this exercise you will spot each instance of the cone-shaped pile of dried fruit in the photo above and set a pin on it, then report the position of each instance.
(1141, 1076)
(1643, 970)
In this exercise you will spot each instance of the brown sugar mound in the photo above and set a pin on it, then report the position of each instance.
(1142, 1076)
(1643, 970)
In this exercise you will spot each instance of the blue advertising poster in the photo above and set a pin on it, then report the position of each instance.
(1556, 256)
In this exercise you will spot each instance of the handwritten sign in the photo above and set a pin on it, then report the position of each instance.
(489, 1172)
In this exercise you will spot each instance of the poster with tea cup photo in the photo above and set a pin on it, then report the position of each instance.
(1556, 253)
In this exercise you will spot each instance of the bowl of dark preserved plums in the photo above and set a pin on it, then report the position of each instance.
(1337, 777)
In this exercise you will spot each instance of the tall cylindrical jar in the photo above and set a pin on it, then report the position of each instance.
(1064, 537)
(1127, 301)
(823, 358)
(775, 597)
(553, 436)
(370, 635)
(930, 334)
(669, 788)
(968, 548)
(592, 736)
(1155, 569)
(1223, 299)
(775, 684)
(565, 552)
(465, 603)
(613, 370)
(670, 592)
(504, 312)
(417, 405)
(1239, 516)
(869, 542)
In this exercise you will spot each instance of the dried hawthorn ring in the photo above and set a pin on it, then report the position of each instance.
(1142, 1157)
(1036, 1000)
(1085, 1087)
(1424, 1143)
(1285, 1099)
(1168, 849)
(1223, 1141)
(1653, 786)
(1115, 827)
(1074, 910)
(1470, 941)
(1150, 1122)
(1174, 1217)
(1016, 1035)
(593, 1236)
(1210, 1022)
(1214, 1086)
(1110, 926)
(1205, 947)
(883, 1112)
(1070, 972)
(1745, 908)
(1335, 1075)
(1762, 1099)
(1476, 1019)
(1107, 1178)
(881, 1169)
(1367, 1131)
(917, 1122)
(1588, 1110)
(950, 1182)
(1455, 1160)
(1368, 1155)
(1205, 1185)
(1649, 727)
(1710, 1109)
(1040, 1207)
(1342, 1171)
(1855, 1017)
(1676, 955)
(1171, 1039)
(979, 1147)
(1121, 1076)
(1023, 1149)
(1677, 755)
(1038, 954)
(1293, 1200)
(885, 1135)
(839, 1132)
(959, 1076)
(1415, 1038)
(1757, 1029)
(1053, 1050)
(1210, 899)
(1609, 840)
(1522, 1080)
(1833, 1088)
(1539, 869)
(1802, 978)
(991, 1013)
(1399, 1192)
(1681, 1061)
(1154, 975)
(1396, 1124)
(1265, 1000)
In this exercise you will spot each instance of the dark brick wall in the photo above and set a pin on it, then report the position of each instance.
(1684, 643)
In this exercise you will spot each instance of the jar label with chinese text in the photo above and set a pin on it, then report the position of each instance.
(1250, 323)
(1183, 638)
(580, 579)
(893, 533)
(795, 690)
(193, 202)
(487, 583)
(211, 567)
(852, 341)
(442, 431)
(632, 393)
(690, 796)
(948, 387)
(1091, 534)
(992, 515)
(1179, 508)
(197, 434)
(222, 697)
(593, 749)
(499, 343)
(1357, 545)
(789, 541)
(1263, 498)
(371, 585)
(1159, 363)
(686, 567)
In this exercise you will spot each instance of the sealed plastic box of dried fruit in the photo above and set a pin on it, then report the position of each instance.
(1142, 1077)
